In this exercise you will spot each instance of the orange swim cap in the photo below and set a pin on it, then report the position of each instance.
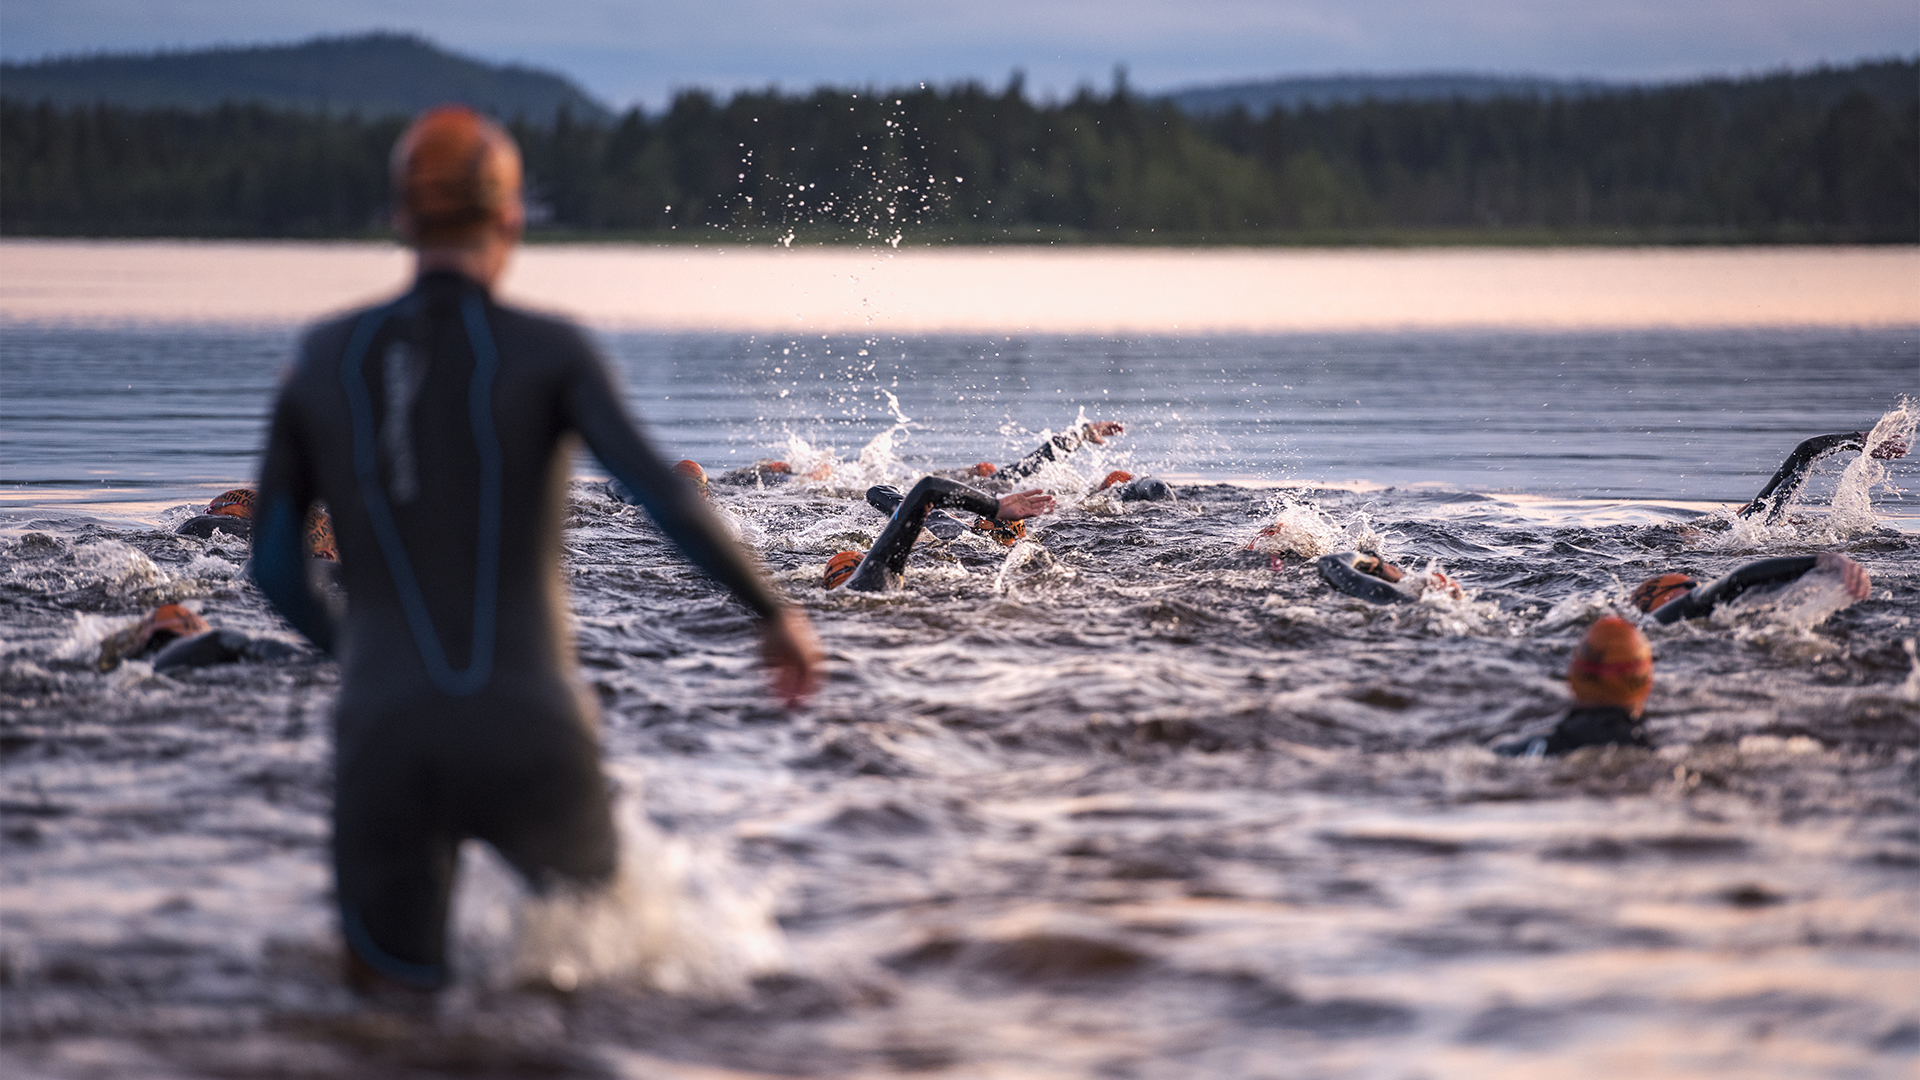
(454, 173)
(692, 471)
(1656, 591)
(776, 466)
(842, 566)
(1117, 476)
(320, 536)
(985, 468)
(1007, 533)
(236, 503)
(1613, 666)
(161, 625)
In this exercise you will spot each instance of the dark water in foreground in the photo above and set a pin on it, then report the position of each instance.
(1122, 801)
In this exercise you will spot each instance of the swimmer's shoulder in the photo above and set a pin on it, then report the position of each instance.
(539, 337)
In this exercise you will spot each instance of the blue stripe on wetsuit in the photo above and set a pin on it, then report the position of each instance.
(486, 584)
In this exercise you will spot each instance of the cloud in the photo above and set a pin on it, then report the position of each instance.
(628, 50)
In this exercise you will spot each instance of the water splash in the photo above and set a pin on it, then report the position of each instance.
(675, 918)
(1300, 528)
(1853, 500)
(1850, 513)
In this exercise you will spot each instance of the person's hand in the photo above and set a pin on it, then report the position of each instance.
(1097, 431)
(1852, 574)
(1024, 504)
(1445, 584)
(793, 656)
(1888, 449)
(1378, 567)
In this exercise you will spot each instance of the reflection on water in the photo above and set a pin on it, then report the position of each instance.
(110, 415)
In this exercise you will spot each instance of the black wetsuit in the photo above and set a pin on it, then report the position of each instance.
(1767, 573)
(1779, 492)
(886, 560)
(1052, 450)
(438, 429)
(1584, 725)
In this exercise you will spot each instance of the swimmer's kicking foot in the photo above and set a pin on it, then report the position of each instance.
(1611, 675)
(881, 567)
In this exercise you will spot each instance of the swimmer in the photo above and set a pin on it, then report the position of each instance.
(439, 428)
(1672, 597)
(685, 469)
(1610, 675)
(1136, 489)
(231, 512)
(880, 569)
(176, 636)
(1787, 481)
(1097, 432)
(164, 624)
(1368, 577)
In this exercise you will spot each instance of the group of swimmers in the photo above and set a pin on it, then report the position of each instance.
(1612, 671)
(438, 429)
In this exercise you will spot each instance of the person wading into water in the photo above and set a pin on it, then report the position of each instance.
(439, 430)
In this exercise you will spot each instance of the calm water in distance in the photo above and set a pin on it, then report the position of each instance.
(101, 415)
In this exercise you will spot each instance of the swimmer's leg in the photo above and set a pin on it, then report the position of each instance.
(393, 861)
(527, 780)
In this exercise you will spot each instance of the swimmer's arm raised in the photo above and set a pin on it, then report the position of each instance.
(1779, 490)
(1095, 432)
(279, 561)
(594, 411)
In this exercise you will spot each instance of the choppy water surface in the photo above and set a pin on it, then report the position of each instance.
(1125, 800)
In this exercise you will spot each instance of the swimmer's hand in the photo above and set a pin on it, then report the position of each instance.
(1097, 431)
(1378, 567)
(1024, 504)
(1851, 573)
(1887, 450)
(793, 656)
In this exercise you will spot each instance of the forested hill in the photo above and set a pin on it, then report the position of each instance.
(1830, 156)
(373, 74)
(1323, 90)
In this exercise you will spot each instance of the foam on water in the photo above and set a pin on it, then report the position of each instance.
(677, 918)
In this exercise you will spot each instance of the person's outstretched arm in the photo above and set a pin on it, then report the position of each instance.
(787, 639)
(1060, 445)
(279, 518)
(1780, 490)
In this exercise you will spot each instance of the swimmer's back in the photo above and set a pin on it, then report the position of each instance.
(472, 535)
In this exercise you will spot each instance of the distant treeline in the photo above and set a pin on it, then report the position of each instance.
(1826, 156)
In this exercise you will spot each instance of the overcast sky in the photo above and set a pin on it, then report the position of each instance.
(638, 51)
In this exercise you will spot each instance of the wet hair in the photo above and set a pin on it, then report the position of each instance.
(454, 173)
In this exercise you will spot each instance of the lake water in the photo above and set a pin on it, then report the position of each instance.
(1126, 800)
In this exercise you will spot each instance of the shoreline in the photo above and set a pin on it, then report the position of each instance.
(1134, 291)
